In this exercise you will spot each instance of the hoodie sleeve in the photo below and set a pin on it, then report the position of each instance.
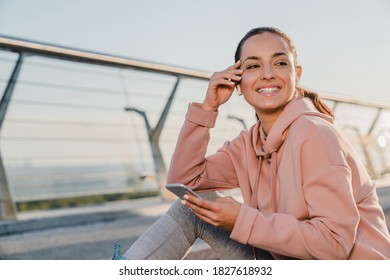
(329, 232)
(189, 165)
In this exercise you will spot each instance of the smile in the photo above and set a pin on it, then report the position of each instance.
(268, 89)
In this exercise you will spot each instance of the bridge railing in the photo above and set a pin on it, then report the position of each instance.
(77, 123)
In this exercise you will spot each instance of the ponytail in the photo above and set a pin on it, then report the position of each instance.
(315, 98)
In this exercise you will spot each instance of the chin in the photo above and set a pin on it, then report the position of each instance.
(270, 107)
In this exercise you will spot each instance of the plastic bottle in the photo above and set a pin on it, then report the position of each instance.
(117, 253)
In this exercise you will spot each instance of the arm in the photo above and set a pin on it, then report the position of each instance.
(189, 165)
(329, 231)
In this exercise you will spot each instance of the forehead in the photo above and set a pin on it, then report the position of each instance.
(263, 45)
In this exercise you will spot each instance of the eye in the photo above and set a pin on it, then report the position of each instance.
(281, 63)
(252, 66)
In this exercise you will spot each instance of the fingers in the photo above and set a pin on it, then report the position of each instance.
(235, 65)
(228, 77)
(225, 78)
(221, 87)
(198, 204)
(201, 207)
(206, 219)
(222, 212)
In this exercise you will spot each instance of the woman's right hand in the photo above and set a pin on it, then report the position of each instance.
(221, 87)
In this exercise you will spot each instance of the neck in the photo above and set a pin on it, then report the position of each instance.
(268, 120)
(267, 125)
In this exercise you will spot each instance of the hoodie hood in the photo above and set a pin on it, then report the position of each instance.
(296, 108)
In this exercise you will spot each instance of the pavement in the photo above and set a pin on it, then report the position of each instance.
(90, 233)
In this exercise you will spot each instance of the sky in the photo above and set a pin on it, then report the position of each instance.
(343, 46)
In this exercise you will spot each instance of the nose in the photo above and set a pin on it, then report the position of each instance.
(268, 73)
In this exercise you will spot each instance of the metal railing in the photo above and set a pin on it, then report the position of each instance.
(161, 82)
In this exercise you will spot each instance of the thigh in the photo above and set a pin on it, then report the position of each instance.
(225, 247)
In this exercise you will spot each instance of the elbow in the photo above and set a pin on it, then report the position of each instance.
(344, 247)
(171, 178)
(337, 252)
(341, 253)
(341, 239)
(336, 246)
(175, 175)
(340, 250)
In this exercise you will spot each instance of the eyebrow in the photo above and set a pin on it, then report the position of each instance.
(259, 58)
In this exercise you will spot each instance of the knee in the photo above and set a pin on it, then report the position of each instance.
(179, 211)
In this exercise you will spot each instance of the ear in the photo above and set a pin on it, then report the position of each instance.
(299, 72)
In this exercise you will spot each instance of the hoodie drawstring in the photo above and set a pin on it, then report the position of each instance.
(272, 180)
(255, 191)
(270, 157)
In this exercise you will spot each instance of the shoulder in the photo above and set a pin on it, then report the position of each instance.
(315, 135)
(308, 127)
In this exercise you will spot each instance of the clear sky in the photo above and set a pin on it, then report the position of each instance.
(343, 46)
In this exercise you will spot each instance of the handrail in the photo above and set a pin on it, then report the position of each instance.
(355, 101)
(43, 49)
(18, 45)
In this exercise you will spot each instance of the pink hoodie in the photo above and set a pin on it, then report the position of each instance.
(306, 195)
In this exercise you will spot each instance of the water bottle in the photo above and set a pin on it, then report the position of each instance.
(117, 253)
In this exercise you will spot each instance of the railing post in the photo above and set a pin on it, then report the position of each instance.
(7, 205)
(240, 120)
(374, 122)
(366, 140)
(154, 138)
(363, 141)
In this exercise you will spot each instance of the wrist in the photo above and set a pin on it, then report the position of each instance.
(208, 108)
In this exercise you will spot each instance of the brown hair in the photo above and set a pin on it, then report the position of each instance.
(314, 97)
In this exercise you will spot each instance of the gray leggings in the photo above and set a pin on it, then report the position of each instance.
(172, 236)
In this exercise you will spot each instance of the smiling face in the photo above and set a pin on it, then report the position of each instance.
(270, 73)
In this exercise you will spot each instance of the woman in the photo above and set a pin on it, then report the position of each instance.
(305, 193)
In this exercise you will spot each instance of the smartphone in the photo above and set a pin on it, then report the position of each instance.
(180, 190)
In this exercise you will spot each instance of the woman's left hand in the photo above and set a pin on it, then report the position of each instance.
(221, 213)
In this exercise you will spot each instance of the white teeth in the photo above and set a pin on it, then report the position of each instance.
(268, 90)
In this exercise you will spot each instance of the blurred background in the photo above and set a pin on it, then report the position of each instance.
(93, 95)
